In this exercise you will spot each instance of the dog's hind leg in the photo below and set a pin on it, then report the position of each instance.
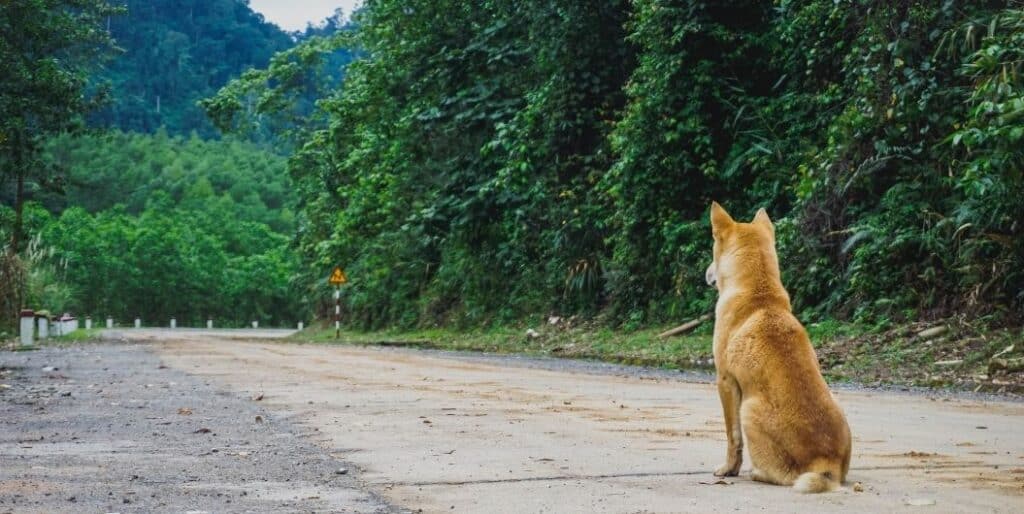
(761, 476)
(769, 460)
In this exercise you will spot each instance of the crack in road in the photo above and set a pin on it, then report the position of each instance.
(606, 476)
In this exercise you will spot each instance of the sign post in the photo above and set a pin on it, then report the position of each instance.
(337, 279)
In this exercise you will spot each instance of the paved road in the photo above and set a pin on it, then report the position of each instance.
(442, 433)
(445, 433)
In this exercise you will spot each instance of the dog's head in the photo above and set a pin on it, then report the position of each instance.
(736, 242)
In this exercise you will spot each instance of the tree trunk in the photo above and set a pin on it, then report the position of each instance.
(19, 206)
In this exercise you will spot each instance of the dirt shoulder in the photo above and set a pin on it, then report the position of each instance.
(111, 428)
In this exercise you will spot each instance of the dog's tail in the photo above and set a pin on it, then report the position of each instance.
(816, 482)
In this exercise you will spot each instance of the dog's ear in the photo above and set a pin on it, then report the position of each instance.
(720, 220)
(762, 218)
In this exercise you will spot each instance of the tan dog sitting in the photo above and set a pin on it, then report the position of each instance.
(768, 376)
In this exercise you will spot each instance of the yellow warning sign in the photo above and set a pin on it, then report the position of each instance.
(338, 277)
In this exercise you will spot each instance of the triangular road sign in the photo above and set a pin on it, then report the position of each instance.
(338, 277)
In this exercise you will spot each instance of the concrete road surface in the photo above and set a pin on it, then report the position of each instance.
(450, 433)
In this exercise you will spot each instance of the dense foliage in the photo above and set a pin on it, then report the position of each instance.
(230, 180)
(505, 159)
(175, 52)
(131, 225)
(159, 226)
(47, 48)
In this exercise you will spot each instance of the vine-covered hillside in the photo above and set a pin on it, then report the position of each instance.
(496, 160)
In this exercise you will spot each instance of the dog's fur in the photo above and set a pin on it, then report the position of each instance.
(768, 376)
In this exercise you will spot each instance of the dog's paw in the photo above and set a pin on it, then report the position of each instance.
(728, 470)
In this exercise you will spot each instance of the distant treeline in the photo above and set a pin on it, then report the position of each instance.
(160, 226)
(492, 160)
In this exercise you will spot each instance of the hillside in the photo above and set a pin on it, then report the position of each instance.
(176, 52)
(242, 180)
(157, 226)
(566, 156)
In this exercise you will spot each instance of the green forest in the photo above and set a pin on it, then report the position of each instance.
(118, 196)
(564, 156)
(490, 163)
(172, 53)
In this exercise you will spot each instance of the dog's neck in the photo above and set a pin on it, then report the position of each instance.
(750, 280)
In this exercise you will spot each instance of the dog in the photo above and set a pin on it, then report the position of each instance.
(768, 376)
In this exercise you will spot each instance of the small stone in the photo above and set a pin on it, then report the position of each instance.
(858, 487)
(341, 471)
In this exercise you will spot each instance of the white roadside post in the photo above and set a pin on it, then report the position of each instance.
(255, 324)
(138, 323)
(110, 322)
(174, 323)
(44, 327)
(67, 324)
(209, 324)
(300, 326)
(88, 322)
(28, 327)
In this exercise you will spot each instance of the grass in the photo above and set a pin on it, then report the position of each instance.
(847, 352)
(78, 336)
(640, 347)
(81, 335)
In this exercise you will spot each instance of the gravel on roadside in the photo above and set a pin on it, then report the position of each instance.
(108, 428)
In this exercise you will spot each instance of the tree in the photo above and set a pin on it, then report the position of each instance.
(566, 156)
(47, 48)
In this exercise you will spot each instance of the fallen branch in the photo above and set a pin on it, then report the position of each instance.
(932, 332)
(1009, 365)
(685, 327)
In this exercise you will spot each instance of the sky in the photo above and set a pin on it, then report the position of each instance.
(294, 14)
